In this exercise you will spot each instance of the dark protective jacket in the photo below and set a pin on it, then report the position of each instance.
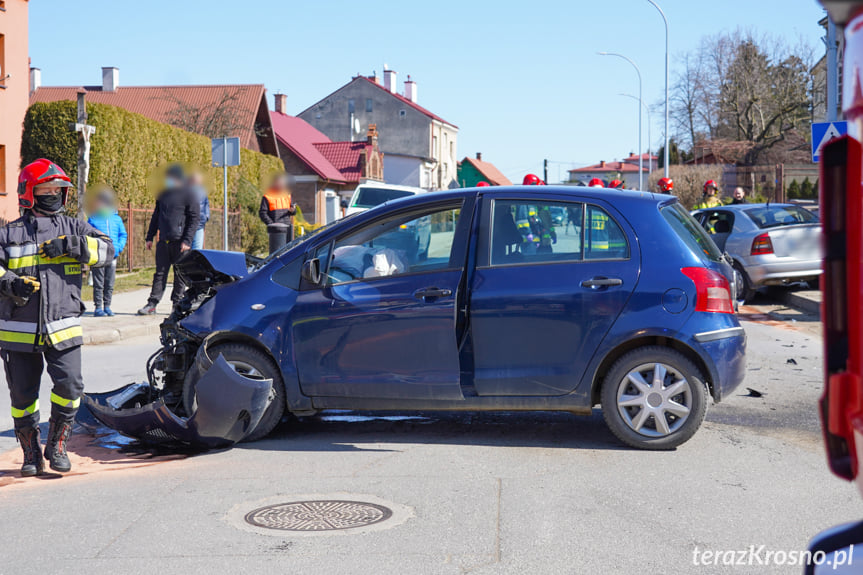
(52, 315)
(276, 208)
(176, 216)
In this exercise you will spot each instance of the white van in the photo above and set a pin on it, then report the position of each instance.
(369, 195)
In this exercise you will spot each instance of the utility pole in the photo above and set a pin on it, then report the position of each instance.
(832, 72)
(545, 171)
(84, 132)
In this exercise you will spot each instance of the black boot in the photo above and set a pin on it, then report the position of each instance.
(55, 448)
(28, 437)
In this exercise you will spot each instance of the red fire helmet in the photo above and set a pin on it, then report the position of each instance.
(595, 183)
(665, 185)
(36, 173)
(532, 180)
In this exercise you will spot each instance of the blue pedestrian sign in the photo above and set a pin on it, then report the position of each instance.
(822, 133)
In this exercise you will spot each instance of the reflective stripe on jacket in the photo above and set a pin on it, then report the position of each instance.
(51, 316)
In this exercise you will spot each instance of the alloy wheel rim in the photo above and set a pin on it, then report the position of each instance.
(654, 399)
(246, 369)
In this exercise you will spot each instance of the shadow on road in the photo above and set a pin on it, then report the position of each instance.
(351, 431)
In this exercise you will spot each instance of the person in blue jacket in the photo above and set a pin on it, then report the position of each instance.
(106, 219)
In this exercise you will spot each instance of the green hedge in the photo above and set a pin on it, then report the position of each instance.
(129, 149)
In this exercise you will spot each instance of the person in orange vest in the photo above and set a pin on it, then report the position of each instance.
(276, 206)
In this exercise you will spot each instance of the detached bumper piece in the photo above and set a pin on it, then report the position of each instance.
(229, 407)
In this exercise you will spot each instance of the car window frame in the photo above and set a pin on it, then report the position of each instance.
(485, 230)
(457, 252)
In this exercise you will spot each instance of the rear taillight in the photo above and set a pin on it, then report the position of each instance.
(761, 245)
(712, 290)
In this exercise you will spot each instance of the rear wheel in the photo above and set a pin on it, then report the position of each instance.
(654, 398)
(745, 290)
(252, 363)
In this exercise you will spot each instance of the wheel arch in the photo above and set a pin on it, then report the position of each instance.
(645, 341)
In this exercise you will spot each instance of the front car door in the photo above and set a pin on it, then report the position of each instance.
(546, 291)
(383, 324)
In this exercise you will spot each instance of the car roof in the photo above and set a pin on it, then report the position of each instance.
(740, 207)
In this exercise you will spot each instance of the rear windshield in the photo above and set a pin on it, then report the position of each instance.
(692, 234)
(775, 216)
(371, 197)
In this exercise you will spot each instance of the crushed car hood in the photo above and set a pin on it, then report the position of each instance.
(212, 267)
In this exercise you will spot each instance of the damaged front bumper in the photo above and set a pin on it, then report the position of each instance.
(227, 407)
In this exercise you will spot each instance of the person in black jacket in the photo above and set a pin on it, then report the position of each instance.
(276, 207)
(176, 220)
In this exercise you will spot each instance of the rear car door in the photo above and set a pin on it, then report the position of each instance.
(383, 324)
(545, 293)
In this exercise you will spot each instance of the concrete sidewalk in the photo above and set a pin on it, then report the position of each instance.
(125, 324)
(808, 301)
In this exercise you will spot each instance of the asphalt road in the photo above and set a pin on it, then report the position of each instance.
(487, 493)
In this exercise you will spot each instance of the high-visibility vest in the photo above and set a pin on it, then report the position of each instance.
(278, 201)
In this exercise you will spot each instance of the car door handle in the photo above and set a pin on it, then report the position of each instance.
(599, 282)
(432, 293)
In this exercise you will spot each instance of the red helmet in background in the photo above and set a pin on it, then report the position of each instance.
(532, 180)
(482, 184)
(665, 185)
(710, 184)
(36, 173)
(615, 184)
(595, 183)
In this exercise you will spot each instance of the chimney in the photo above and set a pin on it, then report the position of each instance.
(281, 102)
(372, 135)
(35, 79)
(390, 79)
(110, 79)
(411, 90)
(631, 154)
(479, 156)
(602, 163)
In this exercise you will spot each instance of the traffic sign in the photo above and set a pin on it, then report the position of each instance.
(822, 133)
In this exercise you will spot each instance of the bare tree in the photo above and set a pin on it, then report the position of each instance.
(219, 119)
(745, 94)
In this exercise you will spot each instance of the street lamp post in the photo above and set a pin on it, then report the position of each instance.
(649, 141)
(640, 155)
(665, 20)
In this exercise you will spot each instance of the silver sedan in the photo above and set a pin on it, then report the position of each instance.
(771, 244)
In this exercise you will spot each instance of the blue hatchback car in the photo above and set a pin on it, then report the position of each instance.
(508, 298)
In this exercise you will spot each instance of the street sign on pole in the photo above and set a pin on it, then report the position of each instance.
(824, 132)
(226, 152)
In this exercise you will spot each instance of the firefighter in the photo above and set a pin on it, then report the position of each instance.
(616, 184)
(708, 198)
(595, 183)
(665, 185)
(532, 180)
(482, 184)
(41, 254)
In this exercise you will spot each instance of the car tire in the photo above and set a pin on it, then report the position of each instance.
(251, 362)
(746, 292)
(682, 412)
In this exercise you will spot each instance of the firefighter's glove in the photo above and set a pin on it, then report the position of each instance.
(55, 248)
(25, 286)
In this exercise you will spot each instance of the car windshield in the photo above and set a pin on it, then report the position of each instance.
(304, 238)
(774, 216)
(371, 197)
(692, 234)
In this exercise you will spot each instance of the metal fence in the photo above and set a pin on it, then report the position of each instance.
(137, 220)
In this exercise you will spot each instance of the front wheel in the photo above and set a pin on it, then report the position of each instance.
(253, 363)
(654, 398)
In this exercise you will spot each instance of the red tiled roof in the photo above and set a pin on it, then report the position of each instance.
(344, 156)
(645, 157)
(491, 173)
(608, 167)
(158, 102)
(300, 137)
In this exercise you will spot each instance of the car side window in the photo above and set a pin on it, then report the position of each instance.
(528, 231)
(718, 222)
(414, 243)
(604, 240)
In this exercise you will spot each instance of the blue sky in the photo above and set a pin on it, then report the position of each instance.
(522, 81)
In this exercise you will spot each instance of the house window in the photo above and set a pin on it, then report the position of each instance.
(434, 147)
(351, 106)
(369, 105)
(452, 149)
(2, 60)
(402, 114)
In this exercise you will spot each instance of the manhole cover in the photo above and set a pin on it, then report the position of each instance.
(321, 515)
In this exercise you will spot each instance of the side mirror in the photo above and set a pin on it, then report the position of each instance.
(833, 551)
(311, 271)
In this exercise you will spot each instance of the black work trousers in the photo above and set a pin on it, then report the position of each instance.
(24, 375)
(167, 254)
